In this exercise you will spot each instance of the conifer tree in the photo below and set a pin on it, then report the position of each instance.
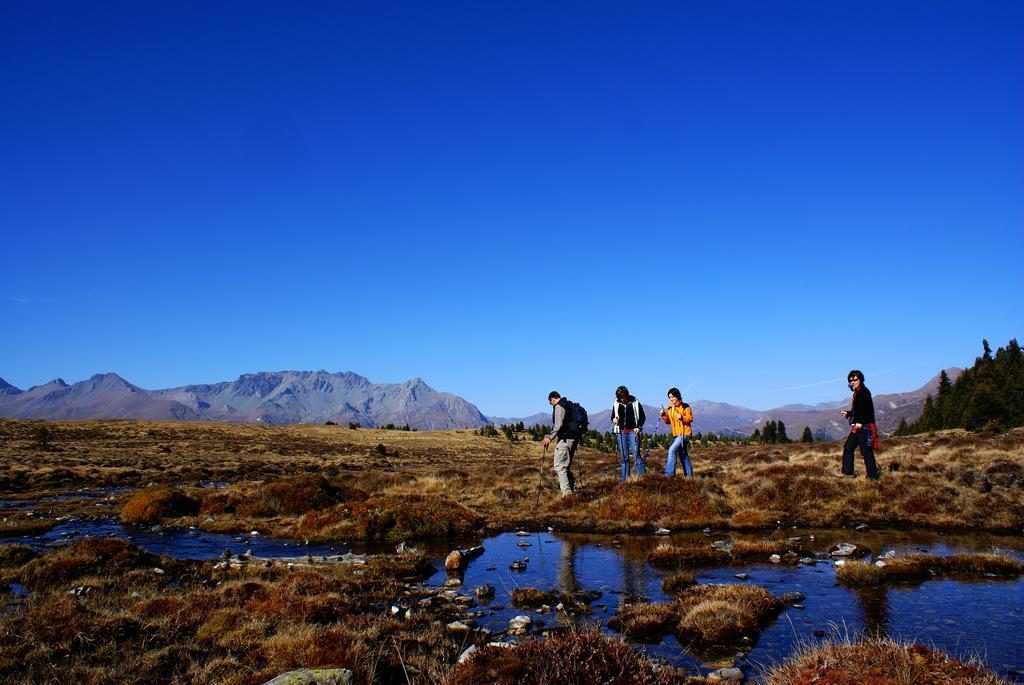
(781, 436)
(807, 436)
(903, 428)
(770, 433)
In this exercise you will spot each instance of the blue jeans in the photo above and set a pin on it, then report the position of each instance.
(681, 445)
(627, 442)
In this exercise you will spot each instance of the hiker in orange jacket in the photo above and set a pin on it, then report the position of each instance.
(680, 417)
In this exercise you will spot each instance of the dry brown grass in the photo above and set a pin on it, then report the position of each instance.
(100, 611)
(582, 657)
(950, 480)
(668, 555)
(153, 505)
(702, 615)
(916, 567)
(190, 624)
(877, 662)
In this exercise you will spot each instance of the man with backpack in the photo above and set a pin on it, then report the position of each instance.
(568, 422)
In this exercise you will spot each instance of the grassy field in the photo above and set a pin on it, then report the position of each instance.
(102, 610)
(333, 483)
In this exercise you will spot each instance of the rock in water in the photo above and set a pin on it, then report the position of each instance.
(520, 625)
(485, 591)
(844, 549)
(726, 675)
(314, 676)
(454, 560)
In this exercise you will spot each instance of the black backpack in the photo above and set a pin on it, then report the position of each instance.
(577, 422)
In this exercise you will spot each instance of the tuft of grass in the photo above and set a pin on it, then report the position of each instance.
(578, 657)
(152, 505)
(876, 662)
(391, 518)
(720, 613)
(676, 584)
(667, 555)
(25, 526)
(532, 597)
(702, 615)
(16, 555)
(645, 622)
(916, 567)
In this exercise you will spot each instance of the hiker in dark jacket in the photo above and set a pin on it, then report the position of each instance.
(863, 433)
(627, 422)
(564, 437)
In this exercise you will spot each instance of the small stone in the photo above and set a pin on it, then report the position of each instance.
(775, 558)
(158, 571)
(470, 651)
(840, 562)
(742, 576)
(520, 625)
(485, 591)
(662, 531)
(861, 527)
(453, 582)
(844, 549)
(314, 676)
(525, 543)
(522, 533)
(254, 533)
(807, 561)
(517, 565)
(726, 675)
(458, 627)
(792, 597)
(880, 563)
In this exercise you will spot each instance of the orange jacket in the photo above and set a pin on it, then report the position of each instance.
(680, 418)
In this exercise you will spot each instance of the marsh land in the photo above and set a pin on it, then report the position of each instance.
(100, 607)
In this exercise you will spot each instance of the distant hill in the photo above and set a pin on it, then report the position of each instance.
(285, 397)
(266, 397)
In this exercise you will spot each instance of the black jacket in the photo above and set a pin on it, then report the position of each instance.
(630, 414)
(862, 410)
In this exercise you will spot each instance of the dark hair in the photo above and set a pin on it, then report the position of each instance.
(855, 374)
(674, 392)
(622, 392)
(553, 395)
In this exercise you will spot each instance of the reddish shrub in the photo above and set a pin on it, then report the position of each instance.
(154, 504)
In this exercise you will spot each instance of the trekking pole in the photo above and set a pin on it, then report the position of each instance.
(540, 476)
(580, 462)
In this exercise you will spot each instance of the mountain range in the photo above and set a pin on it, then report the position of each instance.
(286, 397)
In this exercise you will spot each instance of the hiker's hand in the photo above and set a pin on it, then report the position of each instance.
(546, 441)
(858, 426)
(844, 412)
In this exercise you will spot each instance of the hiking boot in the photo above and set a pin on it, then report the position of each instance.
(845, 475)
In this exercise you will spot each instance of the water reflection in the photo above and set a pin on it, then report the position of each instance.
(567, 581)
(875, 603)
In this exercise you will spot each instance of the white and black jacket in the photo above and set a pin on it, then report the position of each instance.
(630, 414)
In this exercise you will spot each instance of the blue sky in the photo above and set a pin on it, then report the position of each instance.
(744, 199)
